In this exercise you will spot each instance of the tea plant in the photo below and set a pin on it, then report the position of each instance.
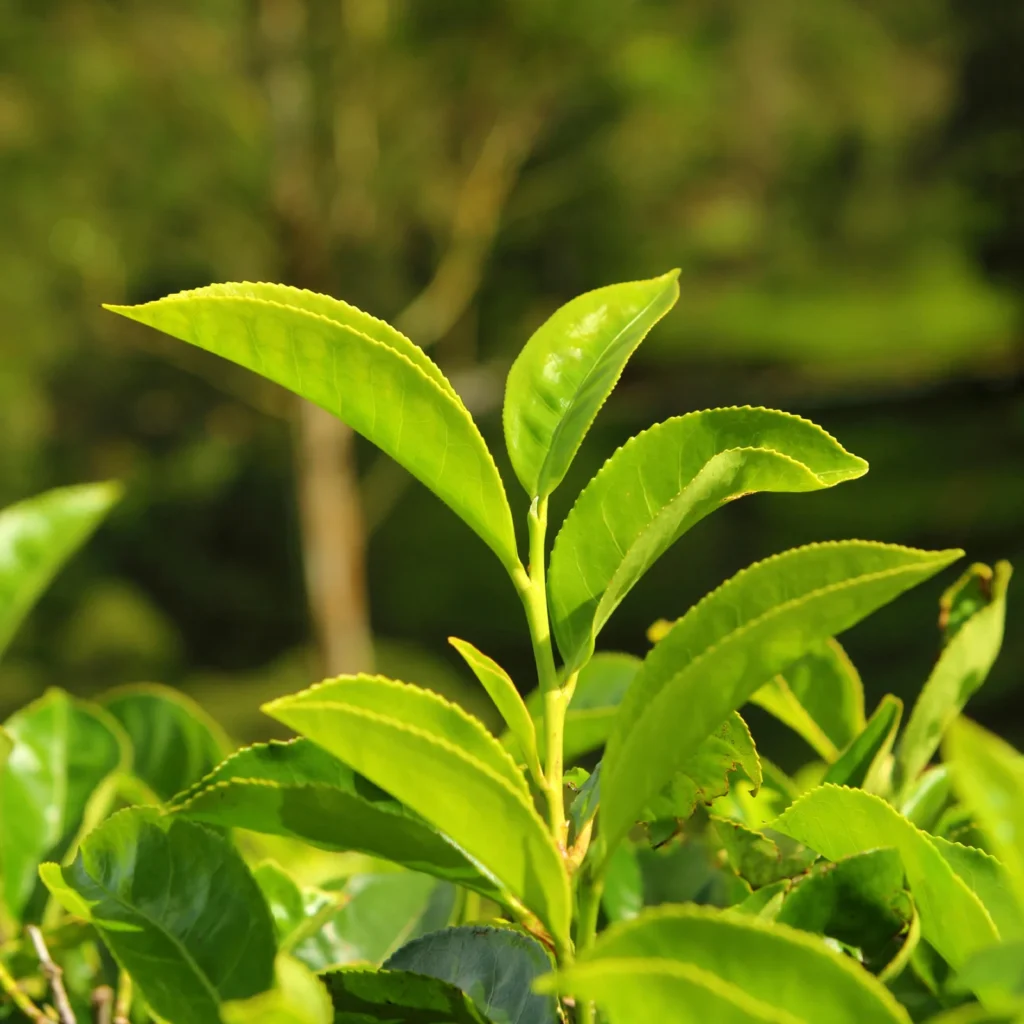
(483, 879)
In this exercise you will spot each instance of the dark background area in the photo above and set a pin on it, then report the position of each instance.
(841, 182)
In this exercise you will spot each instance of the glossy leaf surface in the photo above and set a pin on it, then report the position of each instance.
(63, 749)
(658, 485)
(963, 665)
(298, 997)
(861, 764)
(359, 370)
(174, 742)
(495, 967)
(36, 537)
(841, 822)
(568, 368)
(741, 635)
(299, 790)
(178, 909)
(468, 793)
(399, 997)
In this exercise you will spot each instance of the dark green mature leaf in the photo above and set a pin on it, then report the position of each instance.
(414, 745)
(568, 368)
(64, 748)
(298, 997)
(860, 901)
(963, 666)
(820, 697)
(495, 967)
(399, 997)
(37, 536)
(178, 909)
(362, 371)
(741, 635)
(174, 742)
(841, 822)
(690, 964)
(988, 775)
(762, 858)
(299, 790)
(658, 485)
(863, 762)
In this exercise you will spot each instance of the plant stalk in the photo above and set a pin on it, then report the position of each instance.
(55, 975)
(590, 889)
(20, 1000)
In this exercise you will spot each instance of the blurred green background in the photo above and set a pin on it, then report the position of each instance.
(841, 182)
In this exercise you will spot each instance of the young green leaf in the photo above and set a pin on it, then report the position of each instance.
(174, 742)
(820, 697)
(37, 537)
(963, 666)
(360, 370)
(471, 791)
(500, 688)
(731, 963)
(998, 972)
(658, 485)
(63, 749)
(741, 635)
(926, 798)
(495, 967)
(862, 763)
(568, 368)
(988, 775)
(298, 997)
(297, 789)
(399, 997)
(841, 822)
(178, 909)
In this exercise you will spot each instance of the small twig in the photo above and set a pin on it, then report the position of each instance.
(55, 975)
(123, 1007)
(20, 1000)
(103, 1005)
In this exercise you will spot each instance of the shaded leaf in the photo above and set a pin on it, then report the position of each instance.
(178, 909)
(862, 764)
(568, 368)
(927, 797)
(742, 634)
(399, 997)
(361, 371)
(298, 997)
(658, 485)
(762, 858)
(623, 895)
(584, 805)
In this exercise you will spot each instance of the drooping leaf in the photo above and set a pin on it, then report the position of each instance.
(729, 644)
(174, 742)
(841, 822)
(863, 762)
(298, 997)
(468, 792)
(299, 790)
(178, 909)
(495, 967)
(37, 537)
(500, 688)
(658, 485)
(965, 662)
(689, 964)
(399, 997)
(63, 749)
(568, 368)
(361, 371)
(820, 697)
(861, 901)
(762, 858)
(988, 775)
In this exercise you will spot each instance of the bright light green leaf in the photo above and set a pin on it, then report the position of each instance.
(841, 822)
(927, 797)
(729, 644)
(658, 485)
(495, 967)
(398, 997)
(64, 748)
(298, 997)
(37, 537)
(178, 909)
(761, 968)
(464, 791)
(988, 775)
(820, 697)
(174, 742)
(500, 688)
(863, 762)
(762, 858)
(568, 368)
(297, 789)
(961, 669)
(359, 370)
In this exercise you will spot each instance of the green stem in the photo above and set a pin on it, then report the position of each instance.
(590, 889)
(20, 1000)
